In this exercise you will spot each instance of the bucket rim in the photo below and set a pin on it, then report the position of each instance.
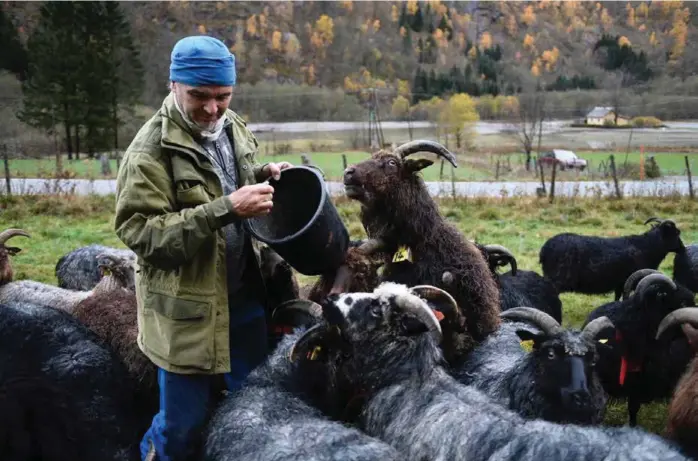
(318, 210)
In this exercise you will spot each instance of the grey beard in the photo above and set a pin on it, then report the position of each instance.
(202, 132)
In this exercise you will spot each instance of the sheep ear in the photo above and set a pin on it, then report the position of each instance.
(414, 165)
(526, 335)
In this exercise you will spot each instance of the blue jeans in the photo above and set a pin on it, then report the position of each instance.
(185, 400)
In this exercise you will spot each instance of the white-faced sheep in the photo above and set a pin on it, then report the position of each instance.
(79, 269)
(64, 395)
(420, 245)
(633, 364)
(389, 355)
(597, 265)
(556, 381)
(275, 416)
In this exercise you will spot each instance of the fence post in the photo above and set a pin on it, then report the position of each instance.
(441, 173)
(690, 180)
(552, 182)
(6, 160)
(344, 161)
(453, 182)
(615, 176)
(542, 175)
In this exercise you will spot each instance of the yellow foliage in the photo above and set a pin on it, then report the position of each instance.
(403, 31)
(529, 42)
(606, 19)
(679, 32)
(364, 28)
(630, 19)
(509, 106)
(412, 6)
(668, 6)
(643, 10)
(511, 26)
(293, 46)
(376, 25)
(646, 122)
(623, 41)
(642, 28)
(458, 112)
(653, 38)
(438, 34)
(276, 40)
(400, 107)
(460, 39)
(550, 57)
(251, 25)
(528, 17)
(394, 13)
(324, 27)
(262, 22)
(310, 75)
(535, 69)
(472, 53)
(569, 9)
(350, 85)
(403, 88)
(348, 5)
(202, 29)
(443, 9)
(485, 40)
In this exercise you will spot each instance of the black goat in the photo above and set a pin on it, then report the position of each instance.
(388, 354)
(556, 381)
(633, 364)
(597, 265)
(686, 267)
(64, 396)
(521, 287)
(420, 245)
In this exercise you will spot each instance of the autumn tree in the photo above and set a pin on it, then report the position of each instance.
(531, 114)
(458, 117)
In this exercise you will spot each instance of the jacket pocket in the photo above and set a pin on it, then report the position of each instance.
(189, 196)
(181, 331)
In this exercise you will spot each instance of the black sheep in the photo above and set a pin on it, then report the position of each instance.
(686, 267)
(633, 364)
(598, 265)
(64, 395)
(420, 245)
(79, 269)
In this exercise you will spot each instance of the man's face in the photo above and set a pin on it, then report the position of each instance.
(204, 105)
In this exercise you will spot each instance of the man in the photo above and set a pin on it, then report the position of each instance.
(187, 182)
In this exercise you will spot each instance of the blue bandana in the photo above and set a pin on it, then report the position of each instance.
(201, 60)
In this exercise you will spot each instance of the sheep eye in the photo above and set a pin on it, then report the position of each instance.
(551, 354)
(376, 312)
(392, 163)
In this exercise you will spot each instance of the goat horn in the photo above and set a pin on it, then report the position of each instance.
(634, 278)
(415, 305)
(595, 327)
(652, 279)
(653, 219)
(502, 250)
(422, 145)
(538, 318)
(682, 315)
(302, 344)
(9, 233)
(341, 280)
(442, 299)
(370, 246)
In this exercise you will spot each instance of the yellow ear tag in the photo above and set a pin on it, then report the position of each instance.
(315, 353)
(527, 345)
(106, 271)
(603, 340)
(403, 253)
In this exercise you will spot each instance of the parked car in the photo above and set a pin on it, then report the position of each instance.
(564, 158)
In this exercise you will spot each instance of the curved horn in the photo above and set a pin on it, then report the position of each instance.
(422, 145)
(634, 278)
(595, 327)
(306, 341)
(415, 305)
(342, 280)
(441, 299)
(502, 250)
(653, 219)
(535, 317)
(682, 315)
(108, 259)
(652, 279)
(9, 233)
(370, 246)
(299, 305)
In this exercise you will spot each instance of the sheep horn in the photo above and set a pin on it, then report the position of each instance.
(652, 279)
(311, 336)
(595, 327)
(106, 259)
(501, 250)
(538, 318)
(9, 233)
(370, 246)
(341, 280)
(422, 145)
(635, 277)
(441, 299)
(421, 310)
(653, 219)
(682, 315)
(299, 305)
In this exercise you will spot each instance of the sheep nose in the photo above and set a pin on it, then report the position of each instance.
(349, 171)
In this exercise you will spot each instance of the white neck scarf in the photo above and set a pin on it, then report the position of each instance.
(210, 135)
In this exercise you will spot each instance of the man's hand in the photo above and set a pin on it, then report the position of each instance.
(274, 169)
(253, 200)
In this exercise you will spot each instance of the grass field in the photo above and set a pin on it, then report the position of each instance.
(471, 167)
(60, 224)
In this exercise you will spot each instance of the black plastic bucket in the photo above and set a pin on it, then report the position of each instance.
(303, 227)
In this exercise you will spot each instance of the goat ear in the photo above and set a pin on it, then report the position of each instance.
(414, 165)
(13, 250)
(526, 335)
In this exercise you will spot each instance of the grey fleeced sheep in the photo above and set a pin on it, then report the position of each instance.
(389, 352)
(555, 381)
(597, 265)
(79, 269)
(273, 418)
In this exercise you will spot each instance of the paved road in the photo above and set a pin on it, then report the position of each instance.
(663, 187)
